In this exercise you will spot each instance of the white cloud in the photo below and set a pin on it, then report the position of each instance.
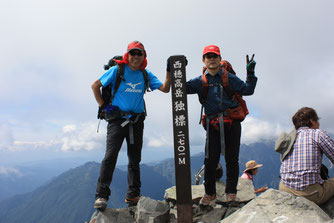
(69, 128)
(82, 137)
(6, 137)
(256, 130)
(159, 142)
(54, 50)
(6, 171)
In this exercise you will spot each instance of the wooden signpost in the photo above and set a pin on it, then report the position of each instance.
(181, 139)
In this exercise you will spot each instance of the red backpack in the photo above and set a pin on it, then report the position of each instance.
(238, 113)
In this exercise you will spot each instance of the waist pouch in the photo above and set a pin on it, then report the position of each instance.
(117, 115)
(110, 116)
(215, 121)
(237, 113)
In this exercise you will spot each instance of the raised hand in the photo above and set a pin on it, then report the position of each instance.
(250, 64)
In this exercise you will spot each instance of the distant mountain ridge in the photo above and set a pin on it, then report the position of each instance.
(26, 177)
(69, 197)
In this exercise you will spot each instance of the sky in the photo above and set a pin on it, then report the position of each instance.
(53, 50)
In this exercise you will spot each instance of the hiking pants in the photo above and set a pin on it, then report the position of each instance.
(318, 193)
(115, 137)
(232, 146)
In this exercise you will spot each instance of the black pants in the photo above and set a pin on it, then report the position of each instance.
(232, 146)
(115, 138)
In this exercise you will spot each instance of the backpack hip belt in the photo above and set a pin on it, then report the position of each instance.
(222, 134)
(215, 121)
(131, 118)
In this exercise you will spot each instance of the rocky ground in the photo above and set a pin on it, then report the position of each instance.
(271, 206)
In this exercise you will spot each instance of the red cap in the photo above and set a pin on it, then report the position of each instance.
(211, 49)
(136, 45)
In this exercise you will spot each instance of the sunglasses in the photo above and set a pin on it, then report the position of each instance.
(136, 52)
(211, 55)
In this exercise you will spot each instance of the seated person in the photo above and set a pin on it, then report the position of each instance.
(301, 155)
(249, 173)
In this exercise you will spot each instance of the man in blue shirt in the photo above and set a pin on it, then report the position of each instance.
(215, 105)
(129, 99)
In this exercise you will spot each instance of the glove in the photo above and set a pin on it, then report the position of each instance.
(250, 65)
(99, 113)
(168, 62)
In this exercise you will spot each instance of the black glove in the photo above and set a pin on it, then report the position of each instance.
(250, 65)
(99, 113)
(168, 62)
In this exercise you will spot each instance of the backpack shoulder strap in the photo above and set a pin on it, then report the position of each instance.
(147, 80)
(225, 81)
(119, 78)
(147, 86)
(205, 88)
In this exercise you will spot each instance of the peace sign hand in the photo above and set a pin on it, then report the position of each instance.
(250, 65)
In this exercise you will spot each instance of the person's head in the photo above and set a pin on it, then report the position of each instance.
(251, 167)
(211, 57)
(136, 54)
(306, 117)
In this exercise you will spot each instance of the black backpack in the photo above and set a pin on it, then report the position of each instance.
(107, 93)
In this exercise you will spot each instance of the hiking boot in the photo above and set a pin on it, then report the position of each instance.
(231, 199)
(132, 200)
(100, 203)
(208, 200)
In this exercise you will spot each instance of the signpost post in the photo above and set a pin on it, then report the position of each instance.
(181, 139)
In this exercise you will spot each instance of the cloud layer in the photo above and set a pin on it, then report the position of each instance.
(53, 51)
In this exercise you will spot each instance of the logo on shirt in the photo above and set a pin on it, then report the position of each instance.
(133, 88)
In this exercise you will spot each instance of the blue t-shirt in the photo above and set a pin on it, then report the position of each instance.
(130, 94)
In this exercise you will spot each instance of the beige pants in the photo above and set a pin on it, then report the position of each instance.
(318, 193)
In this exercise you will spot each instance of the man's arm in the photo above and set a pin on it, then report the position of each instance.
(96, 87)
(165, 87)
(327, 145)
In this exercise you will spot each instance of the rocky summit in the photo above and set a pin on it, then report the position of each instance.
(271, 206)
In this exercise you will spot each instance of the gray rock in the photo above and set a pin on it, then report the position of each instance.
(196, 190)
(245, 192)
(328, 207)
(109, 215)
(151, 211)
(209, 215)
(278, 206)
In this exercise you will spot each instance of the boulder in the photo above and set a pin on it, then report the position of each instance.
(151, 211)
(278, 206)
(328, 207)
(245, 192)
(210, 215)
(112, 216)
